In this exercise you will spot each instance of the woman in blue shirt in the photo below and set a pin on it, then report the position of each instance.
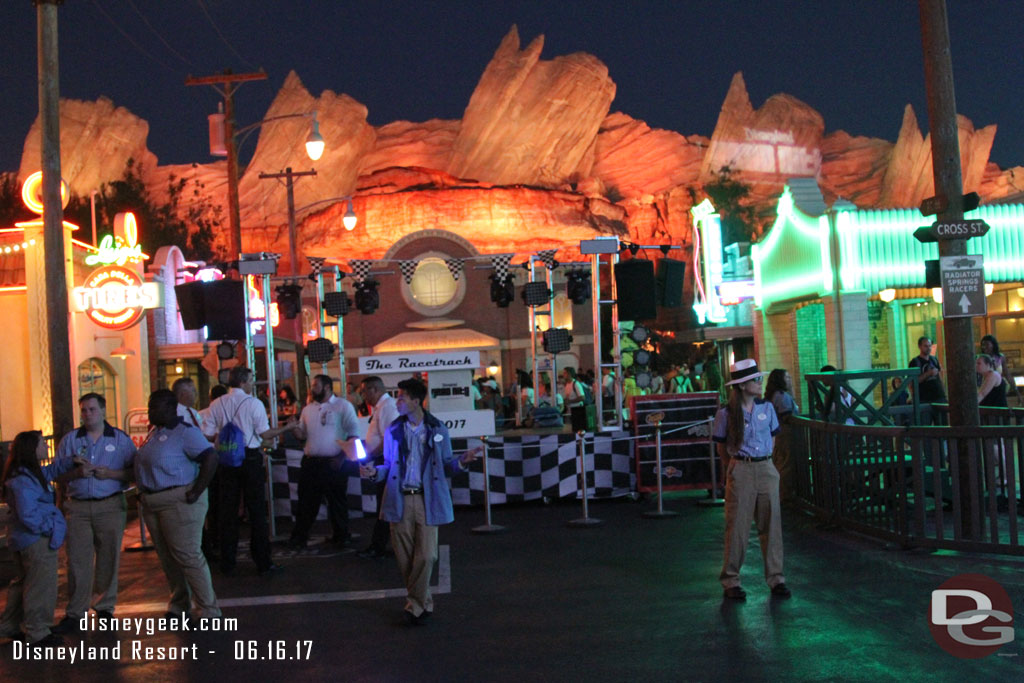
(36, 530)
(744, 431)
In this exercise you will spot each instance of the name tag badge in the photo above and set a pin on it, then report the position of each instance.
(109, 448)
(438, 438)
(762, 416)
(162, 437)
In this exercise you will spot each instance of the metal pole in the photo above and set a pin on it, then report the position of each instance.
(271, 365)
(533, 346)
(550, 279)
(62, 414)
(290, 186)
(488, 527)
(92, 210)
(661, 512)
(713, 499)
(586, 520)
(942, 122)
(595, 312)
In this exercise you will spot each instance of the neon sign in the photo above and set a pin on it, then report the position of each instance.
(707, 233)
(114, 249)
(32, 195)
(115, 298)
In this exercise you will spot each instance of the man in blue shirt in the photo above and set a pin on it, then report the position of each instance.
(417, 457)
(95, 510)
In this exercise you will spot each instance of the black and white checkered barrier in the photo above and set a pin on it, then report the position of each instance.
(523, 468)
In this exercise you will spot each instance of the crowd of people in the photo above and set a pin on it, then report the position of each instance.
(196, 468)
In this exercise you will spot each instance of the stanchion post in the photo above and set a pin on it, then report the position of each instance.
(142, 544)
(269, 464)
(586, 520)
(713, 499)
(487, 527)
(661, 512)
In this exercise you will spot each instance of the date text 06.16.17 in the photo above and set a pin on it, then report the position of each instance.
(279, 650)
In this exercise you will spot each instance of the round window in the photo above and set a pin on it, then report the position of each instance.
(432, 283)
(433, 291)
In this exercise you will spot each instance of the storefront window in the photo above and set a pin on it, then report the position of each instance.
(96, 376)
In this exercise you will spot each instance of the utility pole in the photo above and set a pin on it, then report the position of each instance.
(289, 176)
(230, 82)
(58, 346)
(963, 397)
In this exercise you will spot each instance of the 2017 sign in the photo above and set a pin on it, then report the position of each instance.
(116, 298)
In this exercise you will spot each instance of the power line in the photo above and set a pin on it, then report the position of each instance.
(158, 35)
(132, 40)
(224, 40)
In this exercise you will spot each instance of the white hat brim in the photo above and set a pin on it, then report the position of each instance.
(741, 380)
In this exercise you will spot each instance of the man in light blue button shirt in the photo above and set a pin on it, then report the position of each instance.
(95, 510)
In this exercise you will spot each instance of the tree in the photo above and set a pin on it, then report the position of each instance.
(739, 221)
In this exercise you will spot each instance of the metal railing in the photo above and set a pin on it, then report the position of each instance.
(907, 484)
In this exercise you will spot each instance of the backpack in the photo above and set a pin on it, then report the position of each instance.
(545, 415)
(587, 393)
(230, 443)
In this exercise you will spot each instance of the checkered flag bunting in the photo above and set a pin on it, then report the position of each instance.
(500, 263)
(454, 267)
(360, 269)
(408, 268)
(316, 263)
(547, 257)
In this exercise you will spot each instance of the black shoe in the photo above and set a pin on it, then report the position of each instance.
(271, 570)
(416, 620)
(52, 640)
(174, 617)
(779, 590)
(104, 614)
(227, 571)
(67, 625)
(735, 593)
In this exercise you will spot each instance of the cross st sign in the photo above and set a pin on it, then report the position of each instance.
(963, 286)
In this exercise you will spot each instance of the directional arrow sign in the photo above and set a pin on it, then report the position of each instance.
(963, 286)
(951, 230)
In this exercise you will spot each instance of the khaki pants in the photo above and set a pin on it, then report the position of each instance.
(177, 531)
(95, 529)
(415, 546)
(752, 494)
(32, 596)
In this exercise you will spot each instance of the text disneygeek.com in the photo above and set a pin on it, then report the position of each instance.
(141, 650)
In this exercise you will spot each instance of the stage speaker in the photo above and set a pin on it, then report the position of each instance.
(636, 289)
(190, 304)
(670, 282)
(224, 309)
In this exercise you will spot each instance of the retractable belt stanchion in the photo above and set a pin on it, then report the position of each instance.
(142, 544)
(487, 528)
(586, 520)
(713, 499)
(661, 512)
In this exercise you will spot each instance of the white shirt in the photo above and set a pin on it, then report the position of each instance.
(244, 410)
(384, 413)
(190, 415)
(323, 424)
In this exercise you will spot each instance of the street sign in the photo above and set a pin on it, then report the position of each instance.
(939, 203)
(951, 230)
(963, 286)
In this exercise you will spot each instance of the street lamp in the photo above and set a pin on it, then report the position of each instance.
(315, 141)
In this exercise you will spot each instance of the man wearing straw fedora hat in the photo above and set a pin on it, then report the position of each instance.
(745, 430)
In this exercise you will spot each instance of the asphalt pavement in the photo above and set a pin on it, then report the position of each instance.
(632, 599)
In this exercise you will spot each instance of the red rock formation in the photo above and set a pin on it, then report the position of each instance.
(402, 143)
(852, 167)
(633, 160)
(531, 121)
(96, 141)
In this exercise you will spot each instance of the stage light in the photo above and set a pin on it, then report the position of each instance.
(642, 357)
(337, 304)
(289, 301)
(320, 350)
(367, 296)
(577, 286)
(225, 350)
(502, 290)
(642, 379)
(557, 340)
(536, 294)
(640, 334)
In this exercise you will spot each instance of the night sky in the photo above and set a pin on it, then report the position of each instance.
(856, 62)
